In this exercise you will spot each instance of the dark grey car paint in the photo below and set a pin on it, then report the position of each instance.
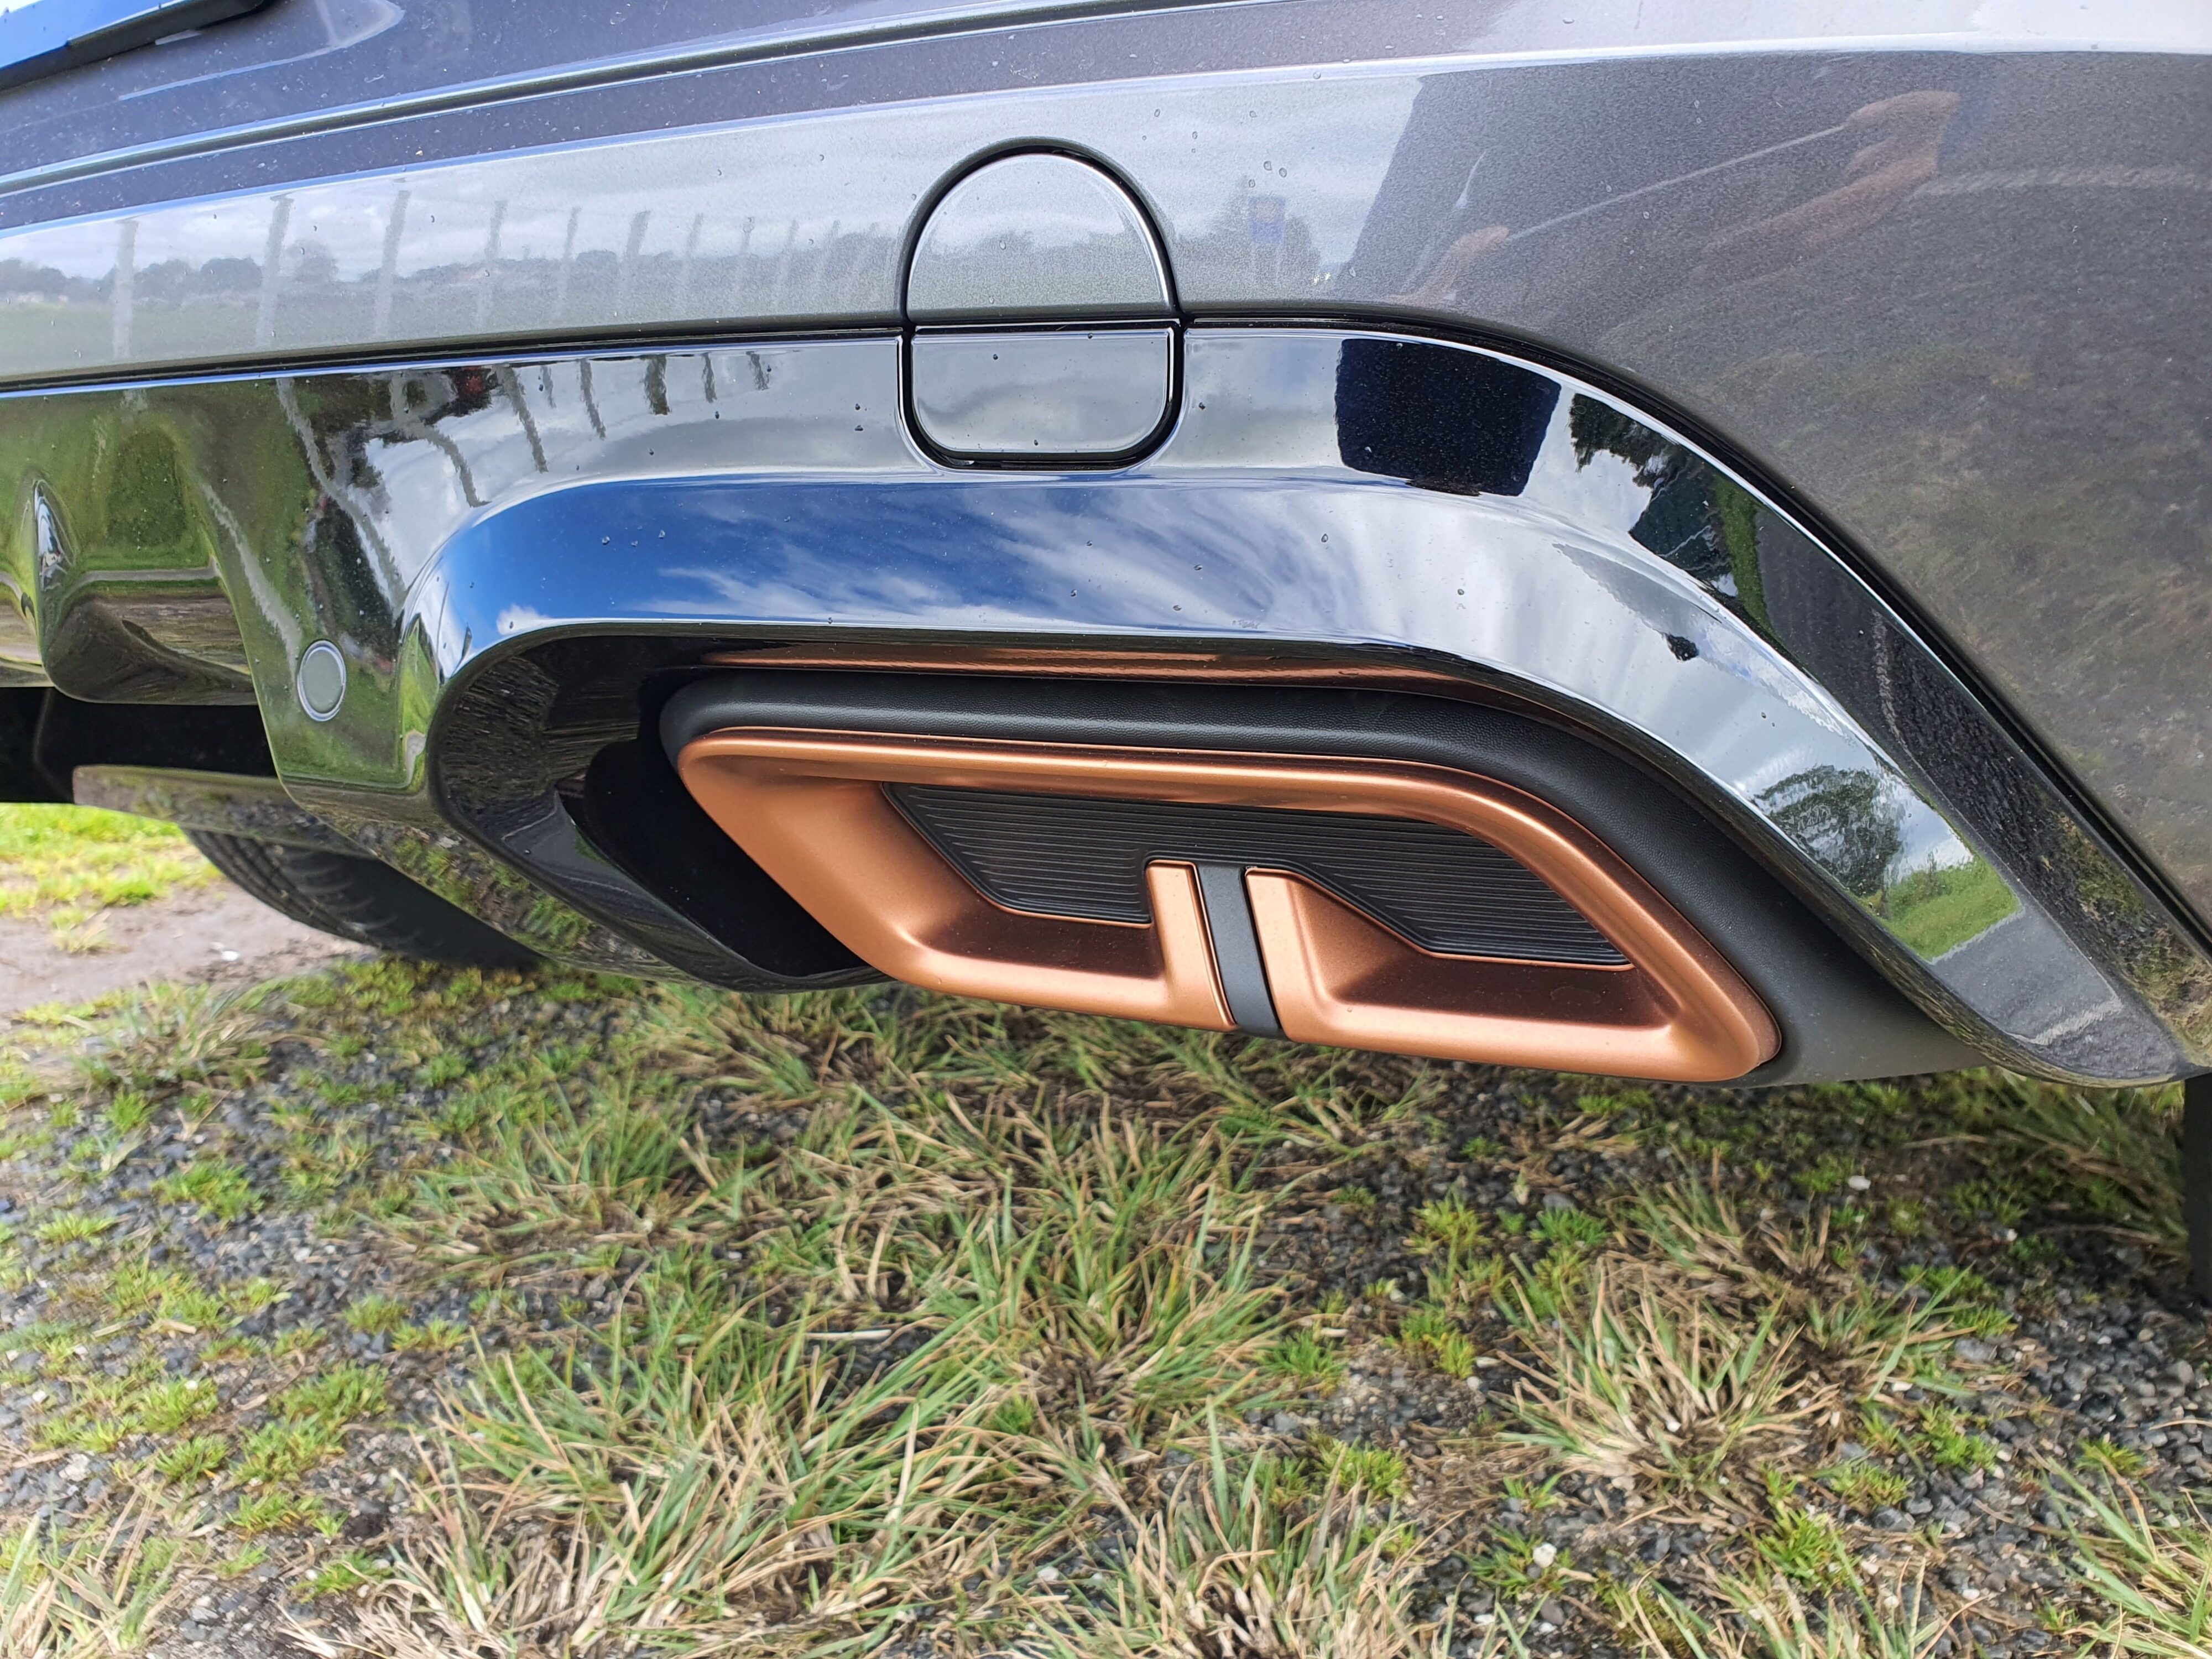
(1945, 286)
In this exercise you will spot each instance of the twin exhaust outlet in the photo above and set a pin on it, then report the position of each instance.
(1364, 904)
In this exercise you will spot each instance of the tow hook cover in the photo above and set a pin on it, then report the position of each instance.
(1043, 396)
(1033, 280)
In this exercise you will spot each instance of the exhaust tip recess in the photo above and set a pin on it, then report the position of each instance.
(1374, 904)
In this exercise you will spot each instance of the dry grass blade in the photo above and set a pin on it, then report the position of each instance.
(72, 1598)
(2152, 1572)
(731, 1542)
(1772, 1620)
(468, 1588)
(169, 1037)
(1723, 1352)
(877, 1322)
(2121, 1147)
(1240, 1566)
(1696, 1227)
(1642, 1379)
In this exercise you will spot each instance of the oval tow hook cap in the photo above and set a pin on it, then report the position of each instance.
(1032, 284)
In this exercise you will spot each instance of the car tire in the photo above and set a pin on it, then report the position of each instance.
(359, 899)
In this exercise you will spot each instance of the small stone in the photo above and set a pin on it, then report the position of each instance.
(1552, 1613)
(1047, 1574)
(1859, 1183)
(367, 1521)
(1286, 1423)
(1973, 1352)
(1542, 1556)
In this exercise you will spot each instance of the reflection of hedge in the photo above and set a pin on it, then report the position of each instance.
(1845, 817)
(1934, 909)
(186, 314)
(165, 493)
(123, 472)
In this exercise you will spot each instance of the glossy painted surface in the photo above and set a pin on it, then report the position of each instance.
(1037, 237)
(1027, 396)
(433, 522)
(339, 63)
(311, 62)
(257, 808)
(1941, 275)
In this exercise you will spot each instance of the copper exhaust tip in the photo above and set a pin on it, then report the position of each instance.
(811, 808)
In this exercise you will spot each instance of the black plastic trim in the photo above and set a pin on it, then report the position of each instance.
(1236, 958)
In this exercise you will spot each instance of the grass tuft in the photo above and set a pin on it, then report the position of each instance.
(1230, 1563)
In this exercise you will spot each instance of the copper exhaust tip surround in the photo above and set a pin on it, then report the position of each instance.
(811, 808)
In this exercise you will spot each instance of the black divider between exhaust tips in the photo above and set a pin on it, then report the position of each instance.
(1236, 957)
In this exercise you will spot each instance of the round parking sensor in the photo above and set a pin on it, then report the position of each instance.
(321, 680)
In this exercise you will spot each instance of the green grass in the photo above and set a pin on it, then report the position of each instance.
(218, 1187)
(799, 1325)
(1767, 1615)
(1375, 1471)
(1801, 1545)
(70, 863)
(282, 1451)
(168, 1407)
(276, 1510)
(335, 1397)
(1866, 1486)
(376, 1315)
(195, 1459)
(2148, 1568)
(2106, 1455)
(349, 1572)
(1570, 1226)
(1307, 1361)
(74, 1228)
(1231, 1559)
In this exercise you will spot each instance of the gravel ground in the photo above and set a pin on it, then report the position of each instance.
(310, 1269)
(322, 1111)
(2106, 1364)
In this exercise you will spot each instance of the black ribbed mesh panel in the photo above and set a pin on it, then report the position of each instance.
(1068, 855)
